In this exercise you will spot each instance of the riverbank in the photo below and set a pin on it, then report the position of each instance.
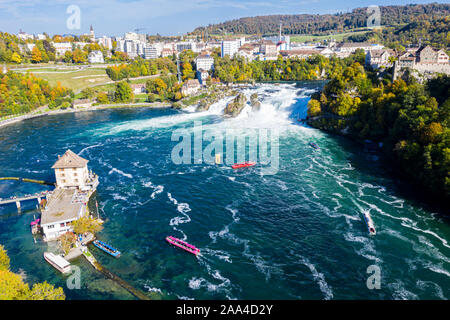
(36, 114)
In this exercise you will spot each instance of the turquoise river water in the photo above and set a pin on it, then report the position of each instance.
(295, 234)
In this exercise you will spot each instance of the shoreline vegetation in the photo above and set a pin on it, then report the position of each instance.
(15, 118)
(406, 120)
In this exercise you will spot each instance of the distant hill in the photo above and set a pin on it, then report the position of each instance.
(434, 32)
(327, 23)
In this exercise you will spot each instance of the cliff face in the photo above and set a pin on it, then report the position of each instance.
(234, 108)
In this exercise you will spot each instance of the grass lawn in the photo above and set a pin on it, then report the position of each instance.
(75, 80)
(337, 36)
(192, 100)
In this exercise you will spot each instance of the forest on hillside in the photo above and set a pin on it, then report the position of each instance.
(327, 23)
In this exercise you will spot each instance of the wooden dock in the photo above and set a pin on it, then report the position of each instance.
(135, 292)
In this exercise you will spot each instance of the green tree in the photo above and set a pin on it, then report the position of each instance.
(123, 92)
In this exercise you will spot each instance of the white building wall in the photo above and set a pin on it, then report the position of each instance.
(71, 177)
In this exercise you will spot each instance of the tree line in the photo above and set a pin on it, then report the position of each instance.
(326, 23)
(141, 67)
(21, 93)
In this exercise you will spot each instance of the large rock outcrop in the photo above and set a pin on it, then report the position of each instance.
(213, 97)
(234, 108)
(254, 102)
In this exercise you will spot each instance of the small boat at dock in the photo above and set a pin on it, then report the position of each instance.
(183, 245)
(369, 223)
(314, 145)
(58, 262)
(107, 248)
(243, 165)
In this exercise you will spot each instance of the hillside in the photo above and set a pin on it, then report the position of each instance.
(435, 33)
(327, 23)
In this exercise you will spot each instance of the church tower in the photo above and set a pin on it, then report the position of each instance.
(91, 33)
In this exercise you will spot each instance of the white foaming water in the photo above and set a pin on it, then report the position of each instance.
(182, 208)
(157, 189)
(90, 147)
(319, 278)
(121, 173)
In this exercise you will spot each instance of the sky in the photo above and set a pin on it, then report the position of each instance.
(166, 17)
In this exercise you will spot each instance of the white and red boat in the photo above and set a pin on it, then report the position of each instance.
(243, 165)
(183, 245)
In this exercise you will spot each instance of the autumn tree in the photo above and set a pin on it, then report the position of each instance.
(16, 58)
(313, 108)
(86, 224)
(12, 286)
(36, 55)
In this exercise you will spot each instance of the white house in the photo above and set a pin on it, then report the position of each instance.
(190, 87)
(205, 62)
(96, 56)
(62, 47)
(138, 88)
(71, 171)
(68, 202)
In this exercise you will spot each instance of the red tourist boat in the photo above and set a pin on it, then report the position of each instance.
(243, 165)
(183, 245)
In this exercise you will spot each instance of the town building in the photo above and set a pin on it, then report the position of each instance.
(40, 36)
(202, 75)
(82, 103)
(190, 87)
(150, 52)
(406, 60)
(91, 33)
(24, 36)
(62, 47)
(425, 60)
(30, 46)
(205, 62)
(106, 42)
(379, 58)
(68, 202)
(138, 88)
(428, 55)
(229, 48)
(347, 48)
(167, 52)
(299, 53)
(71, 171)
(96, 56)
(181, 46)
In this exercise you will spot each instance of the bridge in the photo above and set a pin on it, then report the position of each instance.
(18, 200)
